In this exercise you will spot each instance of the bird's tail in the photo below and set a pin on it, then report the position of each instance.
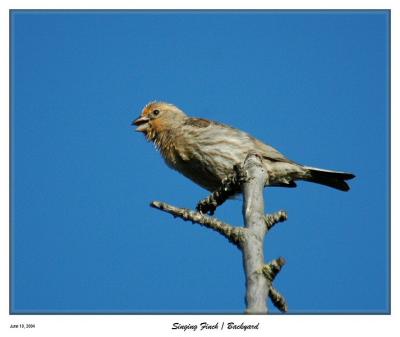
(332, 179)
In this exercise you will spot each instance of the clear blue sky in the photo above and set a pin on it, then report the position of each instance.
(84, 239)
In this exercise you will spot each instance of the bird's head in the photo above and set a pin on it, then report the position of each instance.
(157, 117)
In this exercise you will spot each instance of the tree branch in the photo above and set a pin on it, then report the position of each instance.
(272, 269)
(277, 299)
(250, 179)
(233, 234)
(252, 247)
(272, 219)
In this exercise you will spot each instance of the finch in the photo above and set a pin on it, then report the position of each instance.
(206, 151)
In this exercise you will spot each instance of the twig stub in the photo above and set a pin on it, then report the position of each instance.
(277, 299)
(272, 219)
(272, 269)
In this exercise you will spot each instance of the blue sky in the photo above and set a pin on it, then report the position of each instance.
(84, 239)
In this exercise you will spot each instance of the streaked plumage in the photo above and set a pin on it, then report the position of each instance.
(206, 151)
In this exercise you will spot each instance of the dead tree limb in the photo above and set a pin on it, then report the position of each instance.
(233, 234)
(253, 245)
(250, 179)
(277, 299)
(272, 219)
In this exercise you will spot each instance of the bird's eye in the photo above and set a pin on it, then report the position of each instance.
(156, 112)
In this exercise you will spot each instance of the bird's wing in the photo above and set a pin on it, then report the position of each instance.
(268, 152)
(219, 132)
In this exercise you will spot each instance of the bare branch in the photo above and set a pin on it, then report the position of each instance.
(250, 179)
(277, 299)
(233, 234)
(272, 219)
(272, 269)
(253, 251)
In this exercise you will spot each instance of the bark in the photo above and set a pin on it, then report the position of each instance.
(257, 286)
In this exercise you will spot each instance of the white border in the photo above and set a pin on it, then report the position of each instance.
(146, 325)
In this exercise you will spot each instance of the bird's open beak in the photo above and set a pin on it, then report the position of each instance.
(141, 123)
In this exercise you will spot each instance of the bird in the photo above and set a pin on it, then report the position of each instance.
(207, 151)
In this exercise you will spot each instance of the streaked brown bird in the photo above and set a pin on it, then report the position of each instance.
(206, 151)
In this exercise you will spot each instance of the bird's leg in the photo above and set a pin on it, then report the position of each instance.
(229, 187)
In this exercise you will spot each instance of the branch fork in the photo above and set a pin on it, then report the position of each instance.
(250, 179)
(233, 234)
